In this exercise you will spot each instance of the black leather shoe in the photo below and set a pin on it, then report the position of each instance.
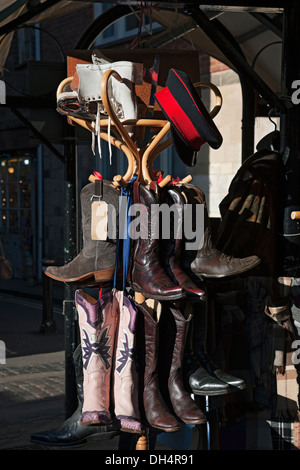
(72, 434)
(220, 374)
(202, 383)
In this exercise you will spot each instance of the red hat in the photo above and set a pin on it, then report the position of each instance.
(191, 123)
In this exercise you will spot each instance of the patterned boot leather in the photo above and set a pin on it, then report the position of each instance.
(125, 387)
(97, 324)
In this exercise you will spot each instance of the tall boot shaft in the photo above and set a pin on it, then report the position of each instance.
(172, 332)
(125, 386)
(171, 248)
(97, 324)
(96, 260)
(156, 411)
(146, 274)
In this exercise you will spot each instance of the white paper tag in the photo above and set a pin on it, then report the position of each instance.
(99, 220)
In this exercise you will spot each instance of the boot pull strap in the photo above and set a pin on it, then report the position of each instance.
(127, 192)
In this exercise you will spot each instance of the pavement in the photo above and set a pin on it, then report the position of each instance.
(32, 379)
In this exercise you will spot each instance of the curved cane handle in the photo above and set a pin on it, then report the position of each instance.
(153, 150)
(219, 99)
(132, 165)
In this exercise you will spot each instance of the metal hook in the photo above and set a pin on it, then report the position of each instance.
(269, 117)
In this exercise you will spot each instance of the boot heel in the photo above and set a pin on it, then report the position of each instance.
(104, 275)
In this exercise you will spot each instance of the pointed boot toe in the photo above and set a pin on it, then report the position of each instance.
(202, 383)
(229, 379)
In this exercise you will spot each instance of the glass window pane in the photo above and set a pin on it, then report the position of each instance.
(13, 196)
(25, 169)
(131, 22)
(12, 168)
(2, 170)
(25, 189)
(13, 221)
(4, 222)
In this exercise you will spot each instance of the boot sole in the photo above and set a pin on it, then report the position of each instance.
(218, 276)
(166, 430)
(105, 275)
(196, 421)
(210, 394)
(157, 297)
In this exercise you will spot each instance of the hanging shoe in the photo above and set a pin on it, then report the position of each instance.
(71, 433)
(96, 261)
(125, 378)
(171, 249)
(97, 324)
(208, 262)
(157, 414)
(146, 274)
(172, 330)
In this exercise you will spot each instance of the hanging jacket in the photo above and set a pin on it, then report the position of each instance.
(249, 212)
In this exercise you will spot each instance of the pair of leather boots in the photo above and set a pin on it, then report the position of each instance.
(160, 269)
(164, 400)
(108, 340)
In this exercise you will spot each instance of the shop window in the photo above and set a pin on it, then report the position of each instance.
(124, 29)
(26, 45)
(15, 189)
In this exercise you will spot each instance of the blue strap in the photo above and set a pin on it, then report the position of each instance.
(127, 193)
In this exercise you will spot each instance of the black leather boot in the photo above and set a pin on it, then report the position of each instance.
(199, 347)
(196, 379)
(71, 433)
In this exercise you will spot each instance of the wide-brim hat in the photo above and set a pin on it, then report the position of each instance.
(191, 123)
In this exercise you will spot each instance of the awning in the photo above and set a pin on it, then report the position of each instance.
(255, 27)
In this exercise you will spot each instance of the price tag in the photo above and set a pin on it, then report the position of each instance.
(99, 220)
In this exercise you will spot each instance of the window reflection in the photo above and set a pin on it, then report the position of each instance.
(15, 192)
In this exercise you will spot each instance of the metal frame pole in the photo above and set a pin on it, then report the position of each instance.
(70, 251)
(290, 146)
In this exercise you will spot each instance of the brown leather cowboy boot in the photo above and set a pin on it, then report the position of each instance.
(172, 330)
(146, 274)
(95, 262)
(207, 261)
(156, 411)
(170, 249)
